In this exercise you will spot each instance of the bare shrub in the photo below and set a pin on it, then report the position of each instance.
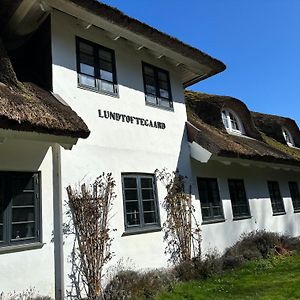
(182, 232)
(134, 285)
(261, 244)
(29, 294)
(90, 206)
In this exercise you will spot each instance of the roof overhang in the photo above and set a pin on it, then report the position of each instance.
(31, 13)
(66, 142)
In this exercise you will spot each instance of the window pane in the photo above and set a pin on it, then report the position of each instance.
(146, 183)
(148, 206)
(107, 86)
(147, 194)
(25, 198)
(132, 207)
(106, 75)
(150, 89)
(148, 71)
(162, 76)
(276, 199)
(151, 99)
(295, 194)
(1, 232)
(164, 93)
(131, 195)
(87, 69)
(211, 205)
(87, 80)
(165, 103)
(20, 231)
(88, 49)
(224, 119)
(133, 219)
(23, 214)
(239, 201)
(130, 182)
(106, 66)
(105, 55)
(149, 218)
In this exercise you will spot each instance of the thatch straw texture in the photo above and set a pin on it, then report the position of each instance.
(27, 107)
(204, 112)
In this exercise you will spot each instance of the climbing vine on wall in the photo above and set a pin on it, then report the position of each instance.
(182, 232)
(90, 207)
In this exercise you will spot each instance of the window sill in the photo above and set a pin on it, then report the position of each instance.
(160, 107)
(241, 218)
(19, 248)
(84, 87)
(141, 231)
(213, 221)
(296, 211)
(279, 213)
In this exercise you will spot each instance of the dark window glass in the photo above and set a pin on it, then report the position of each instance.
(157, 86)
(239, 201)
(295, 194)
(276, 199)
(211, 204)
(96, 67)
(19, 208)
(140, 201)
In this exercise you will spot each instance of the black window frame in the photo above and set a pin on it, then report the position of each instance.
(276, 202)
(208, 203)
(295, 195)
(8, 180)
(157, 95)
(237, 205)
(96, 60)
(141, 227)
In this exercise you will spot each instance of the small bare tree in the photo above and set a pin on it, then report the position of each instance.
(182, 232)
(90, 206)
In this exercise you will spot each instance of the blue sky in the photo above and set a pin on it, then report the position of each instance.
(258, 40)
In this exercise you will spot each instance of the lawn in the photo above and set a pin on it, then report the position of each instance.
(274, 278)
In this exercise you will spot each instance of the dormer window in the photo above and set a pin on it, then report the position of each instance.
(231, 122)
(288, 137)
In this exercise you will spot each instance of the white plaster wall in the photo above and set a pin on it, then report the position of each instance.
(20, 271)
(115, 146)
(222, 235)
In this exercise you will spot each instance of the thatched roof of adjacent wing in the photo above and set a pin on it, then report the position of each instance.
(204, 113)
(27, 107)
(272, 126)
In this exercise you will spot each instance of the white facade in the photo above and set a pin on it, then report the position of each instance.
(127, 147)
(116, 146)
(224, 234)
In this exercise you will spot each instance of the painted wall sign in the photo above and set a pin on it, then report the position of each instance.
(105, 114)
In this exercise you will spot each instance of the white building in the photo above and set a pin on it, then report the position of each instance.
(126, 81)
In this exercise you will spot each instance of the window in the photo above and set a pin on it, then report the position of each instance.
(276, 199)
(19, 208)
(211, 204)
(157, 86)
(239, 201)
(288, 137)
(140, 202)
(294, 190)
(96, 67)
(231, 122)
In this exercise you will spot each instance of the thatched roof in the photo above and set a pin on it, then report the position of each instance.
(27, 107)
(204, 112)
(118, 18)
(272, 126)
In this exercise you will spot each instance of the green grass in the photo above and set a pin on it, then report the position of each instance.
(274, 278)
